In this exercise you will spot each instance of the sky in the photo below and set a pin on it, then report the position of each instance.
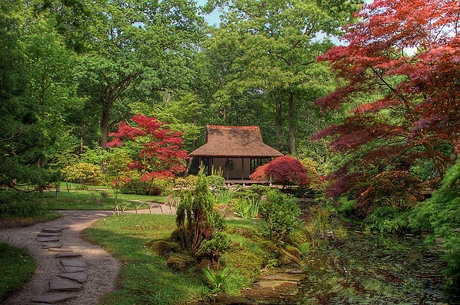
(213, 18)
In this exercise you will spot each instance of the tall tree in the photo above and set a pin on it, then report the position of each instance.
(134, 44)
(417, 116)
(277, 42)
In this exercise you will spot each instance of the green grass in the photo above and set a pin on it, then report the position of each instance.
(16, 269)
(85, 200)
(144, 277)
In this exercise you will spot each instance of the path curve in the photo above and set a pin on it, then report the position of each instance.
(102, 267)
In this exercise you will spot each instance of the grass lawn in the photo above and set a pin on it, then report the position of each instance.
(16, 269)
(85, 199)
(144, 277)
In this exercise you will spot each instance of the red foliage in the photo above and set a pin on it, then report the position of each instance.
(286, 170)
(259, 174)
(161, 154)
(421, 91)
(397, 189)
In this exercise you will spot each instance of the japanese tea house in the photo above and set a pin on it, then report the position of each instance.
(236, 150)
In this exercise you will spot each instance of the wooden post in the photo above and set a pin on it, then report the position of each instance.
(242, 168)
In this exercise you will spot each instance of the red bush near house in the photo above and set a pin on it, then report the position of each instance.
(259, 174)
(284, 170)
(160, 153)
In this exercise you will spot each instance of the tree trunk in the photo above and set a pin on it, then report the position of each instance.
(292, 143)
(105, 124)
(278, 122)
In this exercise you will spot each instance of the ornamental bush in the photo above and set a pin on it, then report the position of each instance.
(197, 221)
(283, 170)
(280, 213)
(82, 173)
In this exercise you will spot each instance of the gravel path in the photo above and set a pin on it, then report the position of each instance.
(102, 267)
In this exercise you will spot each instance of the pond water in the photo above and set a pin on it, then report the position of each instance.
(369, 268)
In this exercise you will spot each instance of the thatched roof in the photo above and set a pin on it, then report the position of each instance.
(235, 141)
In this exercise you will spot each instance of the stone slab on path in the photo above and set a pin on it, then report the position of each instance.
(48, 239)
(53, 298)
(80, 277)
(60, 249)
(46, 234)
(51, 230)
(67, 254)
(61, 284)
(52, 245)
(74, 263)
(71, 269)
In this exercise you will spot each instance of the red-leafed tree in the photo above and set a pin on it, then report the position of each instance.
(285, 170)
(416, 115)
(160, 152)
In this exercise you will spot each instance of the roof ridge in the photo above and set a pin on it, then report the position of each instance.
(231, 127)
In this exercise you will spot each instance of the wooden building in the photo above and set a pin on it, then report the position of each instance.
(236, 150)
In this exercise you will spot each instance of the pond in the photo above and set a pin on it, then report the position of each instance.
(367, 268)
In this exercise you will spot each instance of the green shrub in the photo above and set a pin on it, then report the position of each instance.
(216, 182)
(280, 213)
(441, 214)
(260, 189)
(190, 180)
(245, 193)
(21, 205)
(388, 219)
(216, 246)
(196, 219)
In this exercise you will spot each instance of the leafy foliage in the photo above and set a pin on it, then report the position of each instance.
(396, 189)
(216, 279)
(284, 170)
(159, 152)
(216, 247)
(82, 173)
(408, 107)
(280, 213)
(196, 219)
(247, 207)
(441, 213)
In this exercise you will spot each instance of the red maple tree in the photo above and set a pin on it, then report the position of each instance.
(417, 116)
(285, 170)
(160, 154)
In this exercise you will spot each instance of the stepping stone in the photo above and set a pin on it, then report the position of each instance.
(53, 298)
(61, 284)
(52, 245)
(56, 227)
(67, 254)
(51, 230)
(74, 263)
(48, 234)
(60, 249)
(48, 239)
(71, 269)
(80, 277)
